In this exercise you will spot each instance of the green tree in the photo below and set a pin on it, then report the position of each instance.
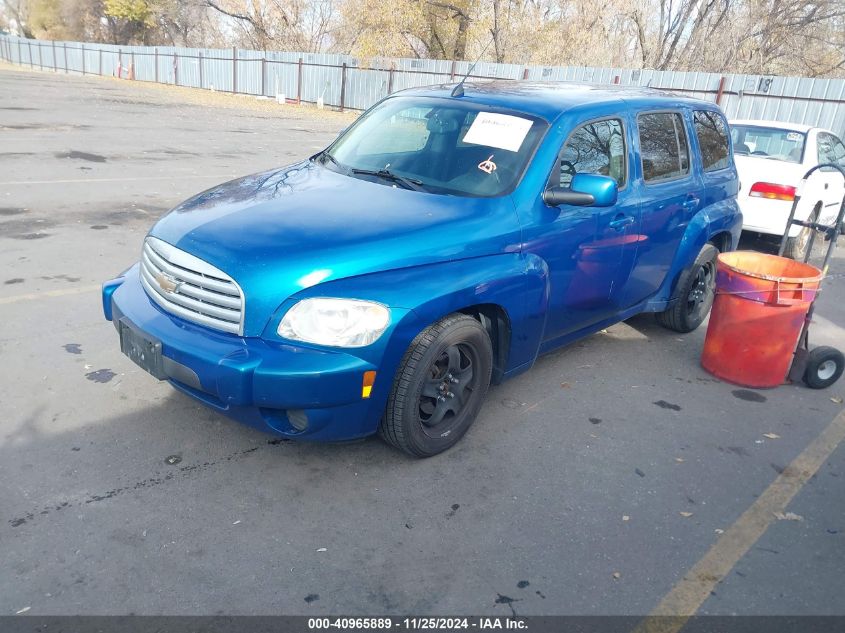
(129, 21)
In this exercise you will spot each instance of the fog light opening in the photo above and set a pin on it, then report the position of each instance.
(298, 419)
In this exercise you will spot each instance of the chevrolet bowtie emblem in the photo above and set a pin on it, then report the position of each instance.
(167, 283)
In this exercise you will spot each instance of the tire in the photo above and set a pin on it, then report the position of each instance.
(824, 367)
(796, 247)
(695, 292)
(453, 356)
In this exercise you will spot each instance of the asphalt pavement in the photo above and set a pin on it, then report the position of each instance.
(592, 484)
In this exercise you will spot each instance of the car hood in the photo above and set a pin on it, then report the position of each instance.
(753, 169)
(284, 230)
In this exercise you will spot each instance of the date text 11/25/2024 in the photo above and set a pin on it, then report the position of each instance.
(420, 623)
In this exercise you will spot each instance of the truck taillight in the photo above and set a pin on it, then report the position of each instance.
(772, 191)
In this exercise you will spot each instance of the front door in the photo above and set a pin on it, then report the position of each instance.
(585, 247)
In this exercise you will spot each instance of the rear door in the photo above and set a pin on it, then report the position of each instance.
(670, 192)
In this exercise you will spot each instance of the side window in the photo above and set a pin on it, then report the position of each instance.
(830, 150)
(712, 134)
(597, 147)
(663, 146)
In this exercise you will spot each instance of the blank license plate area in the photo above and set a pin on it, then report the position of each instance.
(144, 351)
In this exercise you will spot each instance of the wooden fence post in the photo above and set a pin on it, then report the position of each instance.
(55, 65)
(390, 78)
(155, 61)
(100, 62)
(64, 48)
(29, 46)
(202, 84)
(175, 69)
(83, 59)
(721, 91)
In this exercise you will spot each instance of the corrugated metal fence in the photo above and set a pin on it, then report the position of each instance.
(341, 81)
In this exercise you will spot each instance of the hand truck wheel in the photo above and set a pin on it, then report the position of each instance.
(824, 367)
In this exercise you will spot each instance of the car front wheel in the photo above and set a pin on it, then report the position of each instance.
(439, 387)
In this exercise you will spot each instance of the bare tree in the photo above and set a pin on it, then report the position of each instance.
(18, 11)
(804, 37)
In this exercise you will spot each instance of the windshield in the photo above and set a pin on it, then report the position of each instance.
(437, 145)
(768, 142)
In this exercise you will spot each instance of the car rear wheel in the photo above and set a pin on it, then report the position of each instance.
(694, 293)
(439, 387)
(796, 247)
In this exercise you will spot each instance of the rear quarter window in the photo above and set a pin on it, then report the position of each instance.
(664, 149)
(830, 150)
(712, 134)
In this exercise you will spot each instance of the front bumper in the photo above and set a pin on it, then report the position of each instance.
(255, 381)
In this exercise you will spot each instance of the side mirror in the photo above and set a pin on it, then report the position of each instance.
(585, 190)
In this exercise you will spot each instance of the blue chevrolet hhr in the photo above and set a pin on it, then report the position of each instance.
(442, 242)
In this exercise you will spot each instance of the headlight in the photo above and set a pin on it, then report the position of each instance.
(335, 322)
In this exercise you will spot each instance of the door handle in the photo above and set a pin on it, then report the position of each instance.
(621, 221)
(691, 203)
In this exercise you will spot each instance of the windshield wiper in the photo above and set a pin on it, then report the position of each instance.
(386, 174)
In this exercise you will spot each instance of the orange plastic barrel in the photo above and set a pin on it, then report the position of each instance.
(757, 317)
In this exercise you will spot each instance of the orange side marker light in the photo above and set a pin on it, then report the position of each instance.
(369, 380)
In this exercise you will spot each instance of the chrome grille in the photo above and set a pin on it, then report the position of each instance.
(191, 288)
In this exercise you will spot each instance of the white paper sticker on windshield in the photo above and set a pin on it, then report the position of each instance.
(793, 136)
(498, 130)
